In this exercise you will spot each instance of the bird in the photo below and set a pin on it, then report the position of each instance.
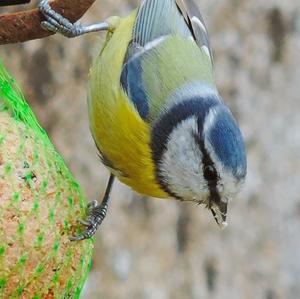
(156, 116)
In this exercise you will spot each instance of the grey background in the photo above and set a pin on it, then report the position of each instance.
(160, 249)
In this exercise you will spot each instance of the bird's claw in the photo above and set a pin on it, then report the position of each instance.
(86, 234)
(92, 204)
(57, 23)
(84, 222)
(95, 215)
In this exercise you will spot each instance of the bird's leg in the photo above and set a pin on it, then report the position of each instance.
(96, 213)
(57, 23)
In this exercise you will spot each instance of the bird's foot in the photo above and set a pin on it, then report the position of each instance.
(55, 22)
(95, 215)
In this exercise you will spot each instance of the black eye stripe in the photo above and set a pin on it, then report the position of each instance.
(207, 162)
(210, 173)
(208, 165)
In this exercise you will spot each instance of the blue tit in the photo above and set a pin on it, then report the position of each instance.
(156, 116)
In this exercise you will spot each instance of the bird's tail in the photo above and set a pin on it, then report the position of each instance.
(157, 18)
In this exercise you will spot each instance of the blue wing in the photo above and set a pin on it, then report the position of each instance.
(155, 21)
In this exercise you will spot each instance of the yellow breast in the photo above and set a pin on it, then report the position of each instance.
(119, 132)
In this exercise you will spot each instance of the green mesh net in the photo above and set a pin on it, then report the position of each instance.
(39, 204)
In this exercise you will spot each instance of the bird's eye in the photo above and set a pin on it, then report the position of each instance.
(210, 173)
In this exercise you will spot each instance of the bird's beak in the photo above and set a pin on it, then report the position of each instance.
(219, 211)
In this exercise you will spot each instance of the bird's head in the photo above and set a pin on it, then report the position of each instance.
(199, 153)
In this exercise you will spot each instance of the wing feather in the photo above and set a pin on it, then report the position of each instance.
(158, 21)
(194, 19)
(157, 18)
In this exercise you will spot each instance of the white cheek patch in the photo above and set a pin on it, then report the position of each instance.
(181, 164)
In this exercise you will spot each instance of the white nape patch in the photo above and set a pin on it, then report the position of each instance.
(181, 164)
(194, 89)
(210, 119)
(199, 23)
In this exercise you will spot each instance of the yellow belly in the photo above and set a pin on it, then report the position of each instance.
(119, 132)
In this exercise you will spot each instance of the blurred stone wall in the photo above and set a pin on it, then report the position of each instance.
(156, 249)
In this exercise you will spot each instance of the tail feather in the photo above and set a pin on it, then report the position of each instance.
(157, 18)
